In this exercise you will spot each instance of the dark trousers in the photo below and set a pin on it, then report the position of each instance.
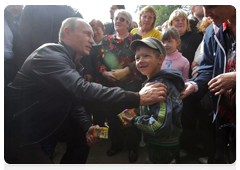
(116, 129)
(118, 133)
(197, 124)
(161, 154)
(225, 142)
(189, 122)
(76, 152)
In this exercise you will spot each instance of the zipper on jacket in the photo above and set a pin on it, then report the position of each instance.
(224, 70)
(18, 113)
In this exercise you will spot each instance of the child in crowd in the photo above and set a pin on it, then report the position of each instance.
(174, 59)
(160, 122)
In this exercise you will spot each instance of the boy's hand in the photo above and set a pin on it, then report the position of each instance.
(128, 121)
(137, 111)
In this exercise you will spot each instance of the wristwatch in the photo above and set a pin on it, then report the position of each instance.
(195, 85)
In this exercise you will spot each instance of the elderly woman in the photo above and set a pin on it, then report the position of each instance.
(147, 22)
(189, 40)
(116, 67)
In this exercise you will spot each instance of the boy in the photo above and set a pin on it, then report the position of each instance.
(160, 122)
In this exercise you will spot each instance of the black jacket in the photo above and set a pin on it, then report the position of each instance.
(39, 24)
(189, 44)
(47, 89)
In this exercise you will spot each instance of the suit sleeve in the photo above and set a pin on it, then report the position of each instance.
(205, 71)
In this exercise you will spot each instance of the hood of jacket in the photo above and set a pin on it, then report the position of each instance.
(174, 76)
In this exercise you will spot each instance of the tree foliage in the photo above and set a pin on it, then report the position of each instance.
(164, 11)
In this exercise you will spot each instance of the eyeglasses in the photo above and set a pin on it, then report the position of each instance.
(121, 19)
(146, 17)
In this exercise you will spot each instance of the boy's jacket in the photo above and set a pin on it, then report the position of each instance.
(161, 122)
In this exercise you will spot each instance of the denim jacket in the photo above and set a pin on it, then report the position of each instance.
(161, 122)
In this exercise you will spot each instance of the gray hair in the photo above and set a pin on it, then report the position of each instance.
(70, 23)
(123, 11)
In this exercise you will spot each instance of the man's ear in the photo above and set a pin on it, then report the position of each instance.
(67, 32)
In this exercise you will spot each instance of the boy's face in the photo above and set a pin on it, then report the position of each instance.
(146, 61)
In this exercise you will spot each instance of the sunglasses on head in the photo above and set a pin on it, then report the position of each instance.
(121, 19)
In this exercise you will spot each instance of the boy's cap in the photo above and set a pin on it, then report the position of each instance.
(151, 42)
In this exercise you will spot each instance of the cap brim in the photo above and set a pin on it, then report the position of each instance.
(135, 43)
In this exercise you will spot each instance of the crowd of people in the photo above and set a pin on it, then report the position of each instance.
(65, 77)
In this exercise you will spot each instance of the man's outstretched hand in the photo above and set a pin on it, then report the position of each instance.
(152, 93)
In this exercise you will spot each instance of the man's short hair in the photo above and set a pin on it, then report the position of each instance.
(70, 23)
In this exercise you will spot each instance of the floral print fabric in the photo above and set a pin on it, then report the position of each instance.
(116, 54)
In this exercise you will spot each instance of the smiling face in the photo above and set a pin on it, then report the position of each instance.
(180, 23)
(98, 33)
(147, 62)
(219, 13)
(171, 45)
(147, 20)
(120, 23)
(81, 38)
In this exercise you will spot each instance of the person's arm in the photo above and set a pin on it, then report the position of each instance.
(121, 74)
(222, 83)
(101, 67)
(61, 76)
(82, 122)
(198, 85)
(153, 120)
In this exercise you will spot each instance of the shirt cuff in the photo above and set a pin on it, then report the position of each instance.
(195, 85)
